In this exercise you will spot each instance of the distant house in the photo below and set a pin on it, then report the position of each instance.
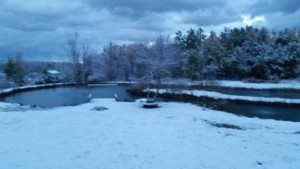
(53, 72)
(52, 76)
(48, 76)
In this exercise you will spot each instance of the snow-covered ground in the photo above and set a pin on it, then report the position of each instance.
(173, 136)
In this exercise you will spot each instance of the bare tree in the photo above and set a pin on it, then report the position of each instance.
(73, 50)
(127, 56)
(110, 57)
(79, 54)
(157, 61)
(87, 61)
(87, 67)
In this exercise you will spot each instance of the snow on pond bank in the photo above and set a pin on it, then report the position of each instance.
(9, 90)
(284, 84)
(288, 84)
(216, 95)
(175, 135)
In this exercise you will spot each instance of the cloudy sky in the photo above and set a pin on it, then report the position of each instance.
(38, 29)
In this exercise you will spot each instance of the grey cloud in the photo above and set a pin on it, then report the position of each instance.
(281, 20)
(209, 17)
(279, 14)
(31, 44)
(39, 28)
(139, 6)
(135, 35)
(152, 22)
(270, 6)
(48, 17)
(156, 5)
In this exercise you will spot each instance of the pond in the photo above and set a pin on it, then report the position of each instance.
(67, 96)
(74, 95)
(282, 112)
(264, 111)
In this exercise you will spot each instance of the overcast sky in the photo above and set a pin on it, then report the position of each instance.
(38, 29)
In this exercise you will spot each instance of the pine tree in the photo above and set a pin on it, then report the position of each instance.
(9, 68)
(192, 67)
(14, 69)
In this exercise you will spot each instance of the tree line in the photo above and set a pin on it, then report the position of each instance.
(237, 53)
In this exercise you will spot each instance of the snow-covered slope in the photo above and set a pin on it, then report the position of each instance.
(175, 135)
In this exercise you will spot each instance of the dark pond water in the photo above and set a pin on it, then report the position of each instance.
(258, 110)
(277, 112)
(283, 93)
(74, 95)
(67, 96)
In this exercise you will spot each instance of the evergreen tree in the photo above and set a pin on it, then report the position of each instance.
(179, 39)
(191, 40)
(192, 67)
(10, 68)
(14, 69)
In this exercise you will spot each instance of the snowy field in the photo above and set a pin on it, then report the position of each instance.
(173, 136)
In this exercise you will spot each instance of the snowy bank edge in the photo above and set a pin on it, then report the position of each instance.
(284, 84)
(292, 85)
(21, 88)
(216, 95)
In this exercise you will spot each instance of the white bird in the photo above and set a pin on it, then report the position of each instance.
(90, 97)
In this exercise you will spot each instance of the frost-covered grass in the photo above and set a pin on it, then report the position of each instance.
(175, 135)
